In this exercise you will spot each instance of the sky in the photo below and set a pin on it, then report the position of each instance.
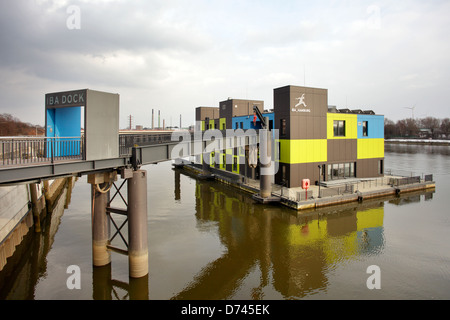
(176, 55)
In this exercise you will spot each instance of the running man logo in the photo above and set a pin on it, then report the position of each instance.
(301, 101)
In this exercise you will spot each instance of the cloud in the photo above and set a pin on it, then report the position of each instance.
(176, 55)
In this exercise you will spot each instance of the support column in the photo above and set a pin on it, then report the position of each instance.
(35, 206)
(137, 224)
(100, 227)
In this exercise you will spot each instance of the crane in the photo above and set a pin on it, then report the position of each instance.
(258, 113)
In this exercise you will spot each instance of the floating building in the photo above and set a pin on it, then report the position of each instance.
(315, 141)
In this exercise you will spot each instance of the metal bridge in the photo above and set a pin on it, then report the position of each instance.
(103, 152)
(30, 159)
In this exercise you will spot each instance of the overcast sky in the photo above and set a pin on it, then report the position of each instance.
(174, 56)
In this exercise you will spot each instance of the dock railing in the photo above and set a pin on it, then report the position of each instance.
(29, 150)
(344, 187)
(128, 141)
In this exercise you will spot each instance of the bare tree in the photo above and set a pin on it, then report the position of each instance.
(390, 130)
(431, 123)
(445, 127)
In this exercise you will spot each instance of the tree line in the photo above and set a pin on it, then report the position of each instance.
(425, 128)
(12, 126)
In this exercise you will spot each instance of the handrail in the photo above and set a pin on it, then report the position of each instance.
(29, 150)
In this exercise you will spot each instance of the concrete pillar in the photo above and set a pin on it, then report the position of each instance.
(69, 192)
(137, 224)
(265, 179)
(35, 206)
(100, 227)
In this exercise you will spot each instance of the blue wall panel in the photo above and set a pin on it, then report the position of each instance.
(246, 122)
(375, 126)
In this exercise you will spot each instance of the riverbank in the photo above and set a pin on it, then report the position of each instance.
(327, 194)
(25, 206)
(418, 141)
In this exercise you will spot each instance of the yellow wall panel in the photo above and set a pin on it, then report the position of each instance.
(303, 151)
(351, 125)
(370, 148)
(222, 123)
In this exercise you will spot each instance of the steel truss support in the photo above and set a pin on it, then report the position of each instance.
(136, 218)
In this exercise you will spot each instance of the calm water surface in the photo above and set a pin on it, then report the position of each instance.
(208, 241)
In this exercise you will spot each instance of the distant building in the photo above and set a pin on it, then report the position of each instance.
(344, 143)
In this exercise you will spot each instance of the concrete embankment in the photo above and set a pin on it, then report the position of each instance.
(418, 141)
(24, 206)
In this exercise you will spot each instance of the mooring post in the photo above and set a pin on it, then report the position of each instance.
(206, 168)
(137, 224)
(100, 227)
(265, 179)
(177, 185)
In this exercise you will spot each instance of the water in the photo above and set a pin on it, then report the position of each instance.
(208, 241)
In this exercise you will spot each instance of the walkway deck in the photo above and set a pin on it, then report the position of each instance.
(298, 199)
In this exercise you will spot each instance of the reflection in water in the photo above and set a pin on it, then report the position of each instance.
(296, 251)
(262, 252)
(29, 262)
(107, 288)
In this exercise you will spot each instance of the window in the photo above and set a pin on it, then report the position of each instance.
(347, 170)
(235, 164)
(341, 170)
(381, 167)
(365, 127)
(283, 126)
(339, 128)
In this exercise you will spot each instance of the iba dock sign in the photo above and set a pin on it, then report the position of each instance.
(66, 99)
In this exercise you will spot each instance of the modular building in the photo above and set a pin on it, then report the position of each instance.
(315, 141)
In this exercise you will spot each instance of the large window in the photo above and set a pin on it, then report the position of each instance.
(339, 128)
(341, 170)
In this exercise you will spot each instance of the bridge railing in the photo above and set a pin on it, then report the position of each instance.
(29, 150)
(128, 141)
